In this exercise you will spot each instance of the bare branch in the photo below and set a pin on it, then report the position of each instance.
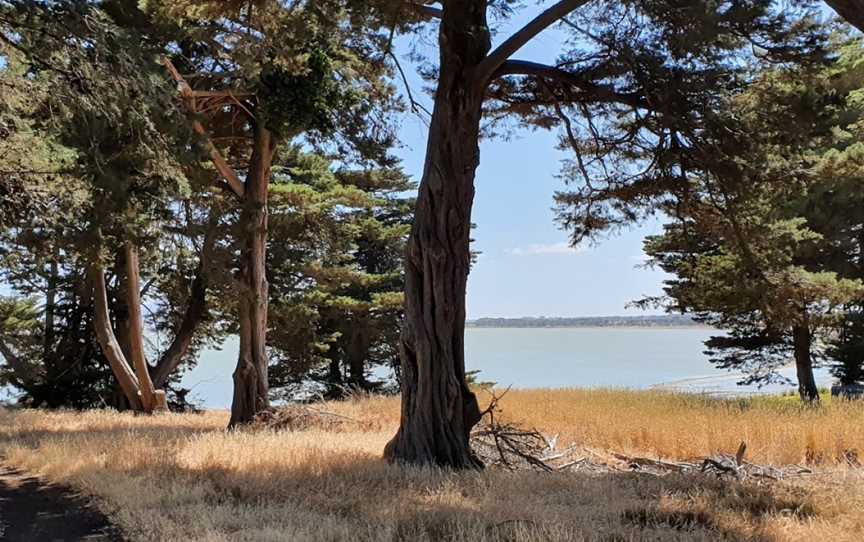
(572, 79)
(496, 58)
(216, 157)
(416, 106)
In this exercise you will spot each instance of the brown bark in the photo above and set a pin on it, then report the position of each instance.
(850, 10)
(136, 328)
(50, 306)
(356, 352)
(196, 309)
(120, 308)
(108, 341)
(438, 408)
(250, 377)
(802, 340)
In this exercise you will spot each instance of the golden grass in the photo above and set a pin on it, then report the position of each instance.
(682, 426)
(181, 477)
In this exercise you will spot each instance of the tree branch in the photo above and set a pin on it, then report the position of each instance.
(416, 106)
(496, 58)
(598, 92)
(23, 373)
(427, 10)
(221, 164)
(196, 310)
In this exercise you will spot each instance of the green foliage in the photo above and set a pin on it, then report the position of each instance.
(306, 100)
(764, 235)
(335, 270)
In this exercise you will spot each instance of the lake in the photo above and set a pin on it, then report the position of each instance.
(638, 358)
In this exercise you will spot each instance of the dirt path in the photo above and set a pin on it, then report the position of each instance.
(34, 511)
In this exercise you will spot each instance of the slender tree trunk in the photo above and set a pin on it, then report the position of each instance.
(50, 307)
(120, 307)
(335, 388)
(438, 409)
(802, 341)
(196, 310)
(22, 373)
(356, 352)
(108, 341)
(250, 377)
(149, 400)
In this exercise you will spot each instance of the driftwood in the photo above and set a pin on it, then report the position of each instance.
(507, 446)
(297, 417)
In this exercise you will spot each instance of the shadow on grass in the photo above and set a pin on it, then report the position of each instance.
(429, 504)
(356, 493)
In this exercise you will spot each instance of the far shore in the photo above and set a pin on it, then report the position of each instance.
(626, 327)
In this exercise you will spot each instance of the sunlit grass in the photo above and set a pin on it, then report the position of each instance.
(182, 477)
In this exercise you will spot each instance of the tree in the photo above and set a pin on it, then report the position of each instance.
(301, 77)
(336, 273)
(638, 66)
(106, 107)
(757, 241)
(46, 335)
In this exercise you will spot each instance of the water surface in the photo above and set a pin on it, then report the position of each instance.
(638, 358)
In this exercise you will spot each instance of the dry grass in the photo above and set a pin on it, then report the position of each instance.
(181, 477)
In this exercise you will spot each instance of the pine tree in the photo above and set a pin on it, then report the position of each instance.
(764, 238)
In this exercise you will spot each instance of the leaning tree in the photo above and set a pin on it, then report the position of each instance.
(632, 72)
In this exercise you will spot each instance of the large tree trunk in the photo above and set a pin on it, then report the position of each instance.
(438, 409)
(108, 341)
(250, 377)
(802, 341)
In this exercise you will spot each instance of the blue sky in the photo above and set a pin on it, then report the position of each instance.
(526, 267)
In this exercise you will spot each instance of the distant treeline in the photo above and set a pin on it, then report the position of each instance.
(589, 321)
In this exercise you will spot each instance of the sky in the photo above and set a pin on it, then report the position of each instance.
(526, 267)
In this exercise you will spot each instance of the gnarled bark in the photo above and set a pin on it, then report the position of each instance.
(250, 377)
(438, 408)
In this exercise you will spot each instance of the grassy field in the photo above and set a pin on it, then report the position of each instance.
(182, 477)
